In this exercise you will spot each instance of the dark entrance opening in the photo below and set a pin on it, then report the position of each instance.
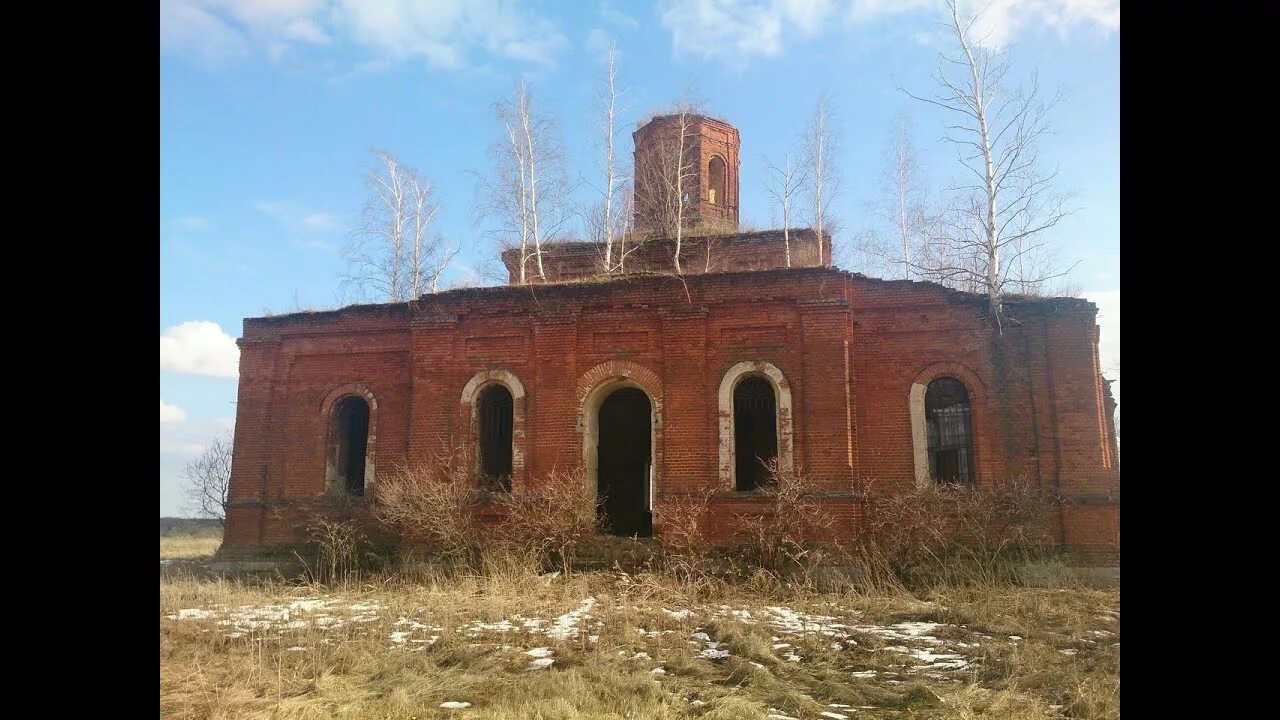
(755, 428)
(495, 410)
(352, 415)
(622, 464)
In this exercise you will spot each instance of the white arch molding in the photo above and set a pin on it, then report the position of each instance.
(781, 390)
(919, 427)
(468, 409)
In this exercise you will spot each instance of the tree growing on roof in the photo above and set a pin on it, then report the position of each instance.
(821, 148)
(995, 228)
(525, 199)
(393, 256)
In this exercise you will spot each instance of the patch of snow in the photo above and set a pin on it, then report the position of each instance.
(540, 652)
(193, 614)
(864, 673)
(679, 614)
(455, 705)
(713, 654)
(566, 626)
(701, 636)
(833, 715)
(541, 663)
(1068, 651)
(297, 648)
(658, 671)
(639, 655)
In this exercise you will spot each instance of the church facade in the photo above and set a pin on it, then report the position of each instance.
(658, 385)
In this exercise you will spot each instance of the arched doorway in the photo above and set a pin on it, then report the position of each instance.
(624, 462)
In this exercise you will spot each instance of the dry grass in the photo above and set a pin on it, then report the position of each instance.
(188, 547)
(358, 669)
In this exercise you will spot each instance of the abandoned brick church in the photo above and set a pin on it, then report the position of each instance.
(660, 385)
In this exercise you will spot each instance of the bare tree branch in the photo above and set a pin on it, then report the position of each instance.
(205, 481)
(821, 148)
(990, 239)
(392, 255)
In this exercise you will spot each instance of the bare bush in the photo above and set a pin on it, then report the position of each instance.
(340, 547)
(780, 540)
(684, 544)
(433, 504)
(957, 534)
(549, 518)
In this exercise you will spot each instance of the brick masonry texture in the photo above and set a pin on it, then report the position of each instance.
(849, 347)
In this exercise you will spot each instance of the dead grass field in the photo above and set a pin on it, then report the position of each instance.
(512, 645)
(188, 547)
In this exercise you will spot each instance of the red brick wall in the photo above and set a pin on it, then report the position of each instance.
(572, 261)
(849, 347)
(705, 138)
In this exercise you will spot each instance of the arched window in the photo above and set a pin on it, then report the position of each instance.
(755, 422)
(715, 187)
(950, 431)
(495, 411)
(351, 423)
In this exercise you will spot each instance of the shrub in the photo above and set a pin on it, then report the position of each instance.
(780, 539)
(340, 548)
(548, 519)
(433, 504)
(684, 550)
(938, 533)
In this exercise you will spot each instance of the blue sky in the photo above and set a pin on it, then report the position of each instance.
(269, 110)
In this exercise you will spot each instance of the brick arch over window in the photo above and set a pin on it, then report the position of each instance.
(593, 387)
(469, 410)
(981, 436)
(782, 391)
(333, 474)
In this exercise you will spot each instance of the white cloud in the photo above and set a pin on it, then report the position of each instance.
(444, 32)
(1001, 20)
(199, 347)
(298, 218)
(614, 16)
(598, 42)
(734, 30)
(320, 221)
(216, 31)
(171, 413)
(192, 222)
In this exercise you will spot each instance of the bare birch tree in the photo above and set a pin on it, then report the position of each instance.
(1000, 215)
(783, 184)
(666, 174)
(820, 154)
(205, 481)
(393, 256)
(525, 198)
(609, 219)
(910, 219)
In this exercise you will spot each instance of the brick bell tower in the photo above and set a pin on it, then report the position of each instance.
(710, 173)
